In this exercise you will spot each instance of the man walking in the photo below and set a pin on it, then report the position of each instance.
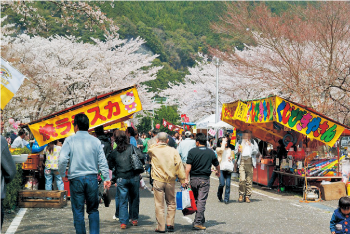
(130, 132)
(104, 139)
(166, 165)
(199, 163)
(246, 152)
(152, 142)
(185, 146)
(85, 155)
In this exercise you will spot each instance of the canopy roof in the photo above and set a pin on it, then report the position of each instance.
(272, 118)
(220, 124)
(102, 110)
(203, 123)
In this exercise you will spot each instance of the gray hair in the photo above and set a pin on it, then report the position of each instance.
(163, 137)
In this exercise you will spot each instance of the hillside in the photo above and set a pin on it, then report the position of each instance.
(176, 31)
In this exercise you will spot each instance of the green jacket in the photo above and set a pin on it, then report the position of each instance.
(145, 145)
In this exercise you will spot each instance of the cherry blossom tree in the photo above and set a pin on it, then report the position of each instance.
(196, 97)
(62, 71)
(69, 11)
(304, 53)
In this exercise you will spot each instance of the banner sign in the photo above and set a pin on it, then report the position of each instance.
(121, 126)
(184, 118)
(290, 115)
(233, 137)
(171, 127)
(100, 112)
(212, 132)
(241, 111)
(261, 111)
(313, 126)
(11, 80)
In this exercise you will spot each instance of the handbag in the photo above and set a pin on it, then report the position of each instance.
(183, 199)
(193, 208)
(227, 166)
(136, 163)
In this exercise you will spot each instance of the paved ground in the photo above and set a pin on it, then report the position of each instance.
(268, 212)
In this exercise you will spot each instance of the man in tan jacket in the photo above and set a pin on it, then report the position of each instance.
(166, 165)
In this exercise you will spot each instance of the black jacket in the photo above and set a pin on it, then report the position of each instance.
(106, 144)
(121, 162)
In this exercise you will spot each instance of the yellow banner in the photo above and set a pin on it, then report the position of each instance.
(11, 80)
(228, 111)
(260, 111)
(241, 111)
(101, 112)
(306, 122)
(121, 126)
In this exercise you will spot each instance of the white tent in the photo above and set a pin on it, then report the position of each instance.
(219, 125)
(203, 123)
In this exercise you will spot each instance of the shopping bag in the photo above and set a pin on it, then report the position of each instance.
(226, 166)
(193, 208)
(183, 199)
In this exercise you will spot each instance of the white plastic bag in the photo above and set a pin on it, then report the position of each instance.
(226, 166)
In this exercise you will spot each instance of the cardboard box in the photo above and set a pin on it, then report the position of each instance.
(333, 191)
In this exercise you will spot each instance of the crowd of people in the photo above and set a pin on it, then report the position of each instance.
(121, 157)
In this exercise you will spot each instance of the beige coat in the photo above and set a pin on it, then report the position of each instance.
(166, 164)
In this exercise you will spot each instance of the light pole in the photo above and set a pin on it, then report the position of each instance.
(217, 62)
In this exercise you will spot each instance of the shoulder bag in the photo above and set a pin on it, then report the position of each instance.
(135, 161)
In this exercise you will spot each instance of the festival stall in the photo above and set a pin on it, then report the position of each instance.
(110, 109)
(272, 119)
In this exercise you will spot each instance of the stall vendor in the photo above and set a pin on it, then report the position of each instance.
(19, 142)
(281, 153)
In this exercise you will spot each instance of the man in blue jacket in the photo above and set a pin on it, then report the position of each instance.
(86, 157)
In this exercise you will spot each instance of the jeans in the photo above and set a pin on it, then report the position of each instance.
(85, 188)
(225, 179)
(49, 174)
(128, 192)
(272, 179)
(200, 187)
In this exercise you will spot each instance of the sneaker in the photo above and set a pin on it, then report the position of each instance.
(199, 227)
(170, 228)
(123, 226)
(115, 218)
(240, 199)
(226, 202)
(134, 222)
(220, 199)
(247, 200)
(159, 231)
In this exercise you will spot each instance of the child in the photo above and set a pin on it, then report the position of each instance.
(340, 222)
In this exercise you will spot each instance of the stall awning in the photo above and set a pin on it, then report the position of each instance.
(103, 110)
(269, 117)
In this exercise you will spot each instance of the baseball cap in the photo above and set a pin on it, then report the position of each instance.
(188, 133)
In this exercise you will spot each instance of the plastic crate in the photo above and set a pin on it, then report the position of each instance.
(32, 162)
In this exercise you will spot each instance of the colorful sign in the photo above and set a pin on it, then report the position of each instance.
(261, 111)
(306, 122)
(11, 80)
(100, 112)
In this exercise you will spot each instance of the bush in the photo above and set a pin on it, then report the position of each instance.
(12, 189)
